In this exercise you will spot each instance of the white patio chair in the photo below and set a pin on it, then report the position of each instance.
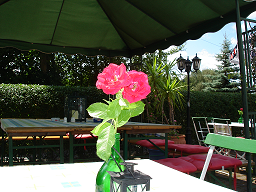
(201, 129)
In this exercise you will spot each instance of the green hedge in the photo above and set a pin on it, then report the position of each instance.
(40, 101)
(213, 104)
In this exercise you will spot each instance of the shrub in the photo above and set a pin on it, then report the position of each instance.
(40, 101)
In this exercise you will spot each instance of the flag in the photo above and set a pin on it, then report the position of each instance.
(233, 53)
(233, 58)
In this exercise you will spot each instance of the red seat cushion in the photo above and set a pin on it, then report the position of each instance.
(216, 163)
(186, 148)
(84, 136)
(178, 164)
(158, 142)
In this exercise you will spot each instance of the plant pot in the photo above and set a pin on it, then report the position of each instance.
(180, 139)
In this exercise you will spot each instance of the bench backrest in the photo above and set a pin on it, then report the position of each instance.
(235, 143)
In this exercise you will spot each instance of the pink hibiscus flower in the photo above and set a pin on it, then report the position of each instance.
(138, 88)
(113, 78)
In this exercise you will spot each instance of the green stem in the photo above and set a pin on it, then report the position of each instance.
(116, 121)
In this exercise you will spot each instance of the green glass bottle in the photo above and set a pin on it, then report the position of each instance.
(103, 178)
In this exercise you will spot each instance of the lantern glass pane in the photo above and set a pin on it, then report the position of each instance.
(75, 106)
(196, 64)
(116, 187)
(181, 63)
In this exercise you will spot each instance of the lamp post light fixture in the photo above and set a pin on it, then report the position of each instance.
(186, 64)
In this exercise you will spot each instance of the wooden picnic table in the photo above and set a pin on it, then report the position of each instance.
(46, 127)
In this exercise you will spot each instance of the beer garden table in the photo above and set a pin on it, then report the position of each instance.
(46, 127)
(82, 177)
(227, 127)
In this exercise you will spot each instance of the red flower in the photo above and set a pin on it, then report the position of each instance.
(138, 88)
(241, 109)
(113, 78)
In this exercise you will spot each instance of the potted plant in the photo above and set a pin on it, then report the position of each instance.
(241, 112)
(176, 137)
(129, 89)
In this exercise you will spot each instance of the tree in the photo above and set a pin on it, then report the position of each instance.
(34, 67)
(82, 70)
(28, 67)
(227, 77)
(199, 79)
(165, 87)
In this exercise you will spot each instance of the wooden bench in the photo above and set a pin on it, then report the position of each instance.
(32, 138)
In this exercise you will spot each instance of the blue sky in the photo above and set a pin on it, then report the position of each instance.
(210, 44)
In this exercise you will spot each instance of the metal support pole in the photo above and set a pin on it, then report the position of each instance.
(166, 145)
(188, 130)
(125, 145)
(244, 92)
(71, 148)
(61, 149)
(34, 149)
(40, 149)
(3, 148)
(10, 151)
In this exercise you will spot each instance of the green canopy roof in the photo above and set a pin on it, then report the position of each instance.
(111, 27)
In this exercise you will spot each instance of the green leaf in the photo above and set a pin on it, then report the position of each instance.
(124, 117)
(123, 103)
(136, 104)
(114, 109)
(105, 141)
(97, 130)
(98, 110)
(135, 111)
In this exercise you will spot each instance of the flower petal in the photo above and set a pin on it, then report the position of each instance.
(113, 78)
(138, 88)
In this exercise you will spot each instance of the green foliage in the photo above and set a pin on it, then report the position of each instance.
(213, 104)
(28, 67)
(34, 67)
(227, 77)
(40, 101)
(115, 114)
(199, 79)
(165, 87)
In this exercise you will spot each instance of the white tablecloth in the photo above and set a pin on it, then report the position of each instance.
(81, 177)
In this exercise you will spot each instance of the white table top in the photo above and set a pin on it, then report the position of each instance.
(233, 124)
(81, 177)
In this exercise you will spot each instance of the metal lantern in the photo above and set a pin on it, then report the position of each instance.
(196, 63)
(181, 63)
(75, 108)
(188, 64)
(129, 180)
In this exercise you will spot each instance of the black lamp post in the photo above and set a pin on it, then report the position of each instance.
(186, 64)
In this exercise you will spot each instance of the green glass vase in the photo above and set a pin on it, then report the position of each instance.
(241, 119)
(103, 177)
